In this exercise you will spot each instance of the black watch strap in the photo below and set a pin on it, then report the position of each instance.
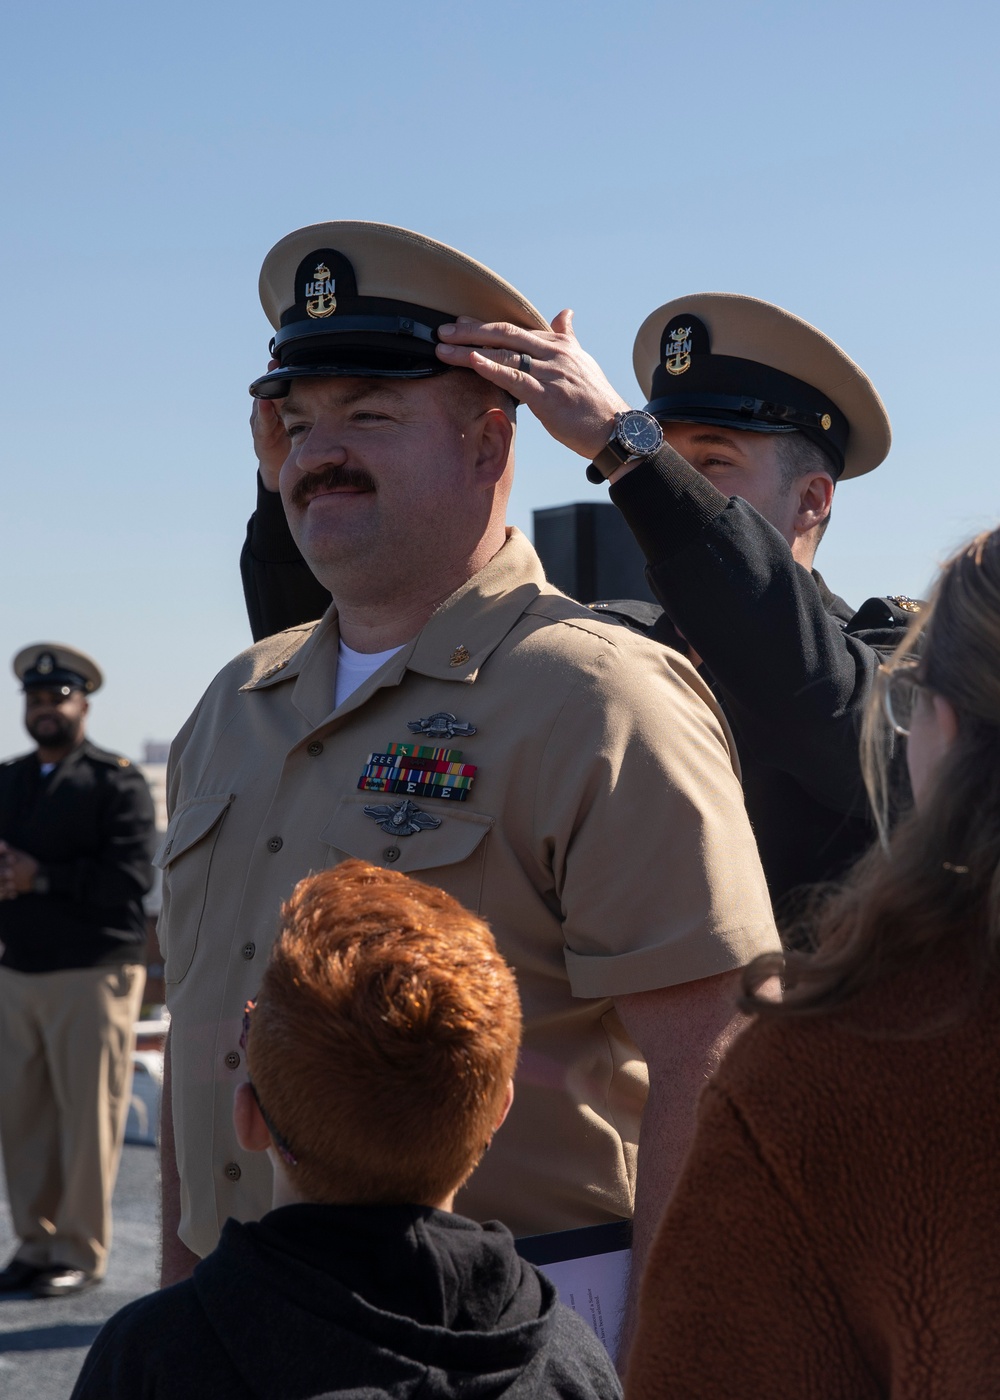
(608, 460)
(595, 474)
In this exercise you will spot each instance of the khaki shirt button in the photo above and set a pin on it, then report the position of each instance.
(233, 1171)
(248, 950)
(315, 749)
(232, 1060)
(275, 844)
(390, 854)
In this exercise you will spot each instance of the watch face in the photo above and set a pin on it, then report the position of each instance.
(639, 432)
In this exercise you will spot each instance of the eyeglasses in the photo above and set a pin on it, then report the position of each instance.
(899, 695)
(280, 1142)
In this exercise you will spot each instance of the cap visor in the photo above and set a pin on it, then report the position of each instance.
(718, 420)
(277, 382)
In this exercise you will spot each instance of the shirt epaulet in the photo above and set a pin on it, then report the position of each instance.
(105, 756)
(270, 656)
(879, 614)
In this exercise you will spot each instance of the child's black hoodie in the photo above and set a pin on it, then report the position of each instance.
(320, 1301)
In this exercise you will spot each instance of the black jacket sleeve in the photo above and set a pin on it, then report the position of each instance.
(279, 589)
(794, 675)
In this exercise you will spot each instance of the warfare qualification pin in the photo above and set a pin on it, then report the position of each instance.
(402, 818)
(442, 725)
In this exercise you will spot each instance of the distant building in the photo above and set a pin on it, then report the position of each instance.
(154, 770)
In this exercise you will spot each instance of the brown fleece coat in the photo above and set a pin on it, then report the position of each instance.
(836, 1228)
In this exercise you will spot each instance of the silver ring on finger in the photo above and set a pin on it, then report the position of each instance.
(524, 364)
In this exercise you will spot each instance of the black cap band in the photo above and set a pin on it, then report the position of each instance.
(55, 679)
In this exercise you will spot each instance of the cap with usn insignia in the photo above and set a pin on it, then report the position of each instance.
(52, 666)
(736, 362)
(352, 298)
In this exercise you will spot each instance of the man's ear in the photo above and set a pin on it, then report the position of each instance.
(495, 441)
(815, 491)
(248, 1121)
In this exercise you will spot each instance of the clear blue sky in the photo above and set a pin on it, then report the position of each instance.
(838, 159)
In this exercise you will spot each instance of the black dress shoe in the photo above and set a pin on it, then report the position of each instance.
(18, 1276)
(59, 1280)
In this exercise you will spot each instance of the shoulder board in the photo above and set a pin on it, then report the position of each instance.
(635, 612)
(113, 760)
(878, 614)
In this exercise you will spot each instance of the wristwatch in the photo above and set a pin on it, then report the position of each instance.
(637, 434)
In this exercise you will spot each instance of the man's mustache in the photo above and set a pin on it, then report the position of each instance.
(329, 479)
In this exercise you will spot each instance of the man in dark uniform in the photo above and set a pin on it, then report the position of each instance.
(726, 480)
(761, 415)
(76, 835)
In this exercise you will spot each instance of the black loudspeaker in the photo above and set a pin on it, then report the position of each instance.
(589, 552)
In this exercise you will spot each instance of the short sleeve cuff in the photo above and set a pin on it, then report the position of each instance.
(703, 952)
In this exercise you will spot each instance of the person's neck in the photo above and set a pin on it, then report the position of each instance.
(376, 624)
(803, 549)
(371, 627)
(283, 1192)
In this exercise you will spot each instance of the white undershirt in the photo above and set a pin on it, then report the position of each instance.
(47, 768)
(354, 668)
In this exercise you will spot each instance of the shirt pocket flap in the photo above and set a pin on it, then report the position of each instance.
(189, 825)
(354, 833)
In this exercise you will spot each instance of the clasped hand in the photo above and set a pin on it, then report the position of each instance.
(17, 871)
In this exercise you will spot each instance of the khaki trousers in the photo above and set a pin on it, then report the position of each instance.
(66, 1042)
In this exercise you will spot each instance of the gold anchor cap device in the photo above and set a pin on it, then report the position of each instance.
(736, 362)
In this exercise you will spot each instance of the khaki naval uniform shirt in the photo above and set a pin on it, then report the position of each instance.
(604, 839)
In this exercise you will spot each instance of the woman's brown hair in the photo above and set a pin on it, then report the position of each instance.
(932, 886)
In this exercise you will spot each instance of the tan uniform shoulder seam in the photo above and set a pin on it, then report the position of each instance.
(558, 608)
